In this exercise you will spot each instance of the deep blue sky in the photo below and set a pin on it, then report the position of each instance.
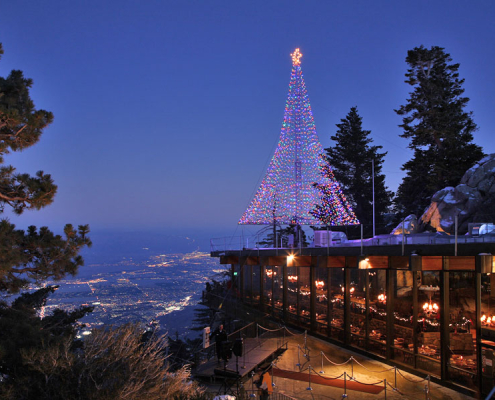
(167, 112)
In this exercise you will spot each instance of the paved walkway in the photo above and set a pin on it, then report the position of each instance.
(321, 379)
(364, 370)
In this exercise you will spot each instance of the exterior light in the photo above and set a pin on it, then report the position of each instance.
(364, 263)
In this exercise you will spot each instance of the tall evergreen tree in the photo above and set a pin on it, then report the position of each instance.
(351, 161)
(36, 255)
(439, 129)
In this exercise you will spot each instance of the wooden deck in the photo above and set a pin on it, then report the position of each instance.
(256, 352)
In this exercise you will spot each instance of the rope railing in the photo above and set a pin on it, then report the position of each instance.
(271, 330)
(410, 380)
(294, 334)
(326, 377)
(369, 384)
(333, 363)
(369, 370)
(394, 387)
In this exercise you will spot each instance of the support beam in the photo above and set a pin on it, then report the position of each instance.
(390, 313)
(347, 306)
(444, 324)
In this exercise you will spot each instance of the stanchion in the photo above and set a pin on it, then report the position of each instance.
(395, 371)
(321, 371)
(244, 356)
(309, 380)
(352, 367)
(305, 344)
(298, 360)
(252, 395)
(345, 386)
(273, 382)
(385, 386)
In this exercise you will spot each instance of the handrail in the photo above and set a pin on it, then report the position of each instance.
(235, 243)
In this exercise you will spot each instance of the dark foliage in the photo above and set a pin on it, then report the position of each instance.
(351, 161)
(439, 130)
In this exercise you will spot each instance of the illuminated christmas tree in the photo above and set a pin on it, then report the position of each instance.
(334, 208)
(299, 187)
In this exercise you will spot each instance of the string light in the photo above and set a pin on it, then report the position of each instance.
(299, 186)
(333, 208)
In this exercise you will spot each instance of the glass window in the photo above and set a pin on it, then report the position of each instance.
(358, 307)
(292, 291)
(268, 287)
(377, 317)
(278, 288)
(321, 300)
(247, 283)
(237, 280)
(304, 296)
(256, 283)
(488, 330)
(403, 317)
(336, 305)
(462, 299)
(428, 334)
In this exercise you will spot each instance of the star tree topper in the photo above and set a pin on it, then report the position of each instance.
(296, 57)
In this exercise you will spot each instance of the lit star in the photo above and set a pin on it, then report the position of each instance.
(296, 57)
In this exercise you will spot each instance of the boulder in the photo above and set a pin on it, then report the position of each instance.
(410, 226)
(471, 199)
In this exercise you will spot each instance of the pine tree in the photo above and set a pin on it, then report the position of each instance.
(36, 255)
(351, 160)
(439, 129)
(32, 256)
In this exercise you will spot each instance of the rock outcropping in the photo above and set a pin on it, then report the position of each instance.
(410, 225)
(473, 200)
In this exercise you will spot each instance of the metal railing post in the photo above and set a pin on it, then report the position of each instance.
(273, 382)
(362, 239)
(309, 379)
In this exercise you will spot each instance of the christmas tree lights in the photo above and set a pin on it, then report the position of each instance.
(299, 186)
(334, 208)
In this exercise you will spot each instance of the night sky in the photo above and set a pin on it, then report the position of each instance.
(167, 112)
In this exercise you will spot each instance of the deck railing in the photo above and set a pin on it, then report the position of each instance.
(257, 242)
